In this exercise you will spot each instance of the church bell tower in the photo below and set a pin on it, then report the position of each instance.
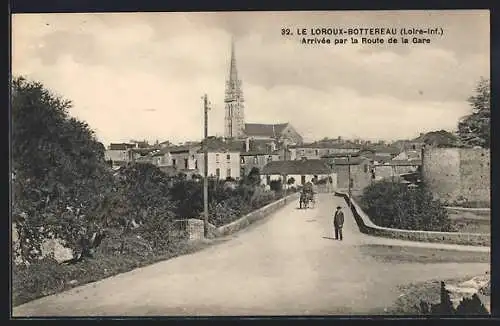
(234, 122)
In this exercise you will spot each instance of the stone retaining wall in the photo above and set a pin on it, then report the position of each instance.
(195, 226)
(368, 227)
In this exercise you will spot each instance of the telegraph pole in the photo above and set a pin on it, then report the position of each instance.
(205, 167)
(349, 185)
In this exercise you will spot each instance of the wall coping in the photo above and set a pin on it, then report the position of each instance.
(469, 209)
(238, 221)
(221, 229)
(369, 223)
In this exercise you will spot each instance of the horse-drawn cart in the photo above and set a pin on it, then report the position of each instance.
(307, 196)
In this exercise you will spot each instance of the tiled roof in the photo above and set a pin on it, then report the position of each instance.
(254, 153)
(382, 158)
(404, 162)
(143, 151)
(328, 145)
(344, 161)
(269, 130)
(181, 148)
(339, 155)
(297, 167)
(120, 146)
(214, 144)
(383, 149)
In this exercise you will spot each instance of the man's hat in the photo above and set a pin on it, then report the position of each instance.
(338, 207)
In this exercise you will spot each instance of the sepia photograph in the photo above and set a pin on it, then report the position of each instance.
(250, 163)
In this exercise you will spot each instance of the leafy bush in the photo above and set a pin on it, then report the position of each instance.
(394, 205)
(276, 185)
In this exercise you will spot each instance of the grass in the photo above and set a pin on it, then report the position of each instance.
(470, 222)
(399, 254)
(471, 226)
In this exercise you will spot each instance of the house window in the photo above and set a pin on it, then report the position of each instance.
(186, 163)
(317, 152)
(196, 164)
(242, 160)
(174, 162)
(228, 157)
(270, 158)
(302, 179)
(256, 160)
(228, 173)
(216, 158)
(217, 172)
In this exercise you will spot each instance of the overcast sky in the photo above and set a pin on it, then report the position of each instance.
(142, 75)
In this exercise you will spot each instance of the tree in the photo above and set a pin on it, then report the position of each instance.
(253, 177)
(61, 174)
(474, 129)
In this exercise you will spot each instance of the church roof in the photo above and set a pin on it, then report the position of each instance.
(268, 130)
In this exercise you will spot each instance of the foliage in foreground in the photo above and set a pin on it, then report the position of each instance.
(467, 306)
(475, 129)
(394, 205)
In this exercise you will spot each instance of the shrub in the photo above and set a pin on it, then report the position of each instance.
(276, 185)
(394, 205)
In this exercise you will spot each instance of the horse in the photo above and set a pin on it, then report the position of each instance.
(305, 199)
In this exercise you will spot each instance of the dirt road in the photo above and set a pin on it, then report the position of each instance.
(287, 264)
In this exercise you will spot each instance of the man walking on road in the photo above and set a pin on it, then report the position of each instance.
(338, 223)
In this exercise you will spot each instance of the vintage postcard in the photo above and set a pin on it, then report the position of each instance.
(251, 163)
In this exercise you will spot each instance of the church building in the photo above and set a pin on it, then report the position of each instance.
(253, 133)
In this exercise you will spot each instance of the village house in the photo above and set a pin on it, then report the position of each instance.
(184, 158)
(250, 160)
(119, 154)
(300, 171)
(359, 169)
(395, 168)
(223, 159)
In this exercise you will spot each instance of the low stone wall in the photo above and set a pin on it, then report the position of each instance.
(195, 226)
(367, 226)
(255, 215)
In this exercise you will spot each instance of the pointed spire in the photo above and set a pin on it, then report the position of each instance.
(233, 72)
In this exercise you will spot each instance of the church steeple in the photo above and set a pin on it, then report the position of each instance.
(234, 118)
(233, 70)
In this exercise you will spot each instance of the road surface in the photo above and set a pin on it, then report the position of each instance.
(286, 265)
